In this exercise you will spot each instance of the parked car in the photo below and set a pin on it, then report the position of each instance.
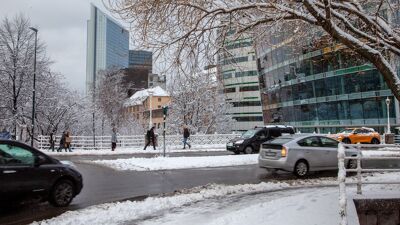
(29, 174)
(251, 140)
(302, 153)
(358, 135)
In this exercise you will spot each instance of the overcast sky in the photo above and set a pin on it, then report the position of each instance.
(62, 27)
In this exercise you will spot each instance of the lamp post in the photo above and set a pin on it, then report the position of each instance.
(388, 118)
(150, 120)
(34, 86)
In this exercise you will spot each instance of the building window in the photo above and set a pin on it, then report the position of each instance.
(248, 118)
(248, 88)
(246, 104)
(229, 90)
(159, 99)
(159, 106)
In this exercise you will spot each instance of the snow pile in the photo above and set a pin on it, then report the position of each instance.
(294, 203)
(170, 163)
(138, 150)
(140, 96)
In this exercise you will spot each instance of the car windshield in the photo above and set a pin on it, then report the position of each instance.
(346, 131)
(281, 140)
(249, 133)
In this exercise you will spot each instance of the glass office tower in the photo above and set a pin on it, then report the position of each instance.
(319, 86)
(107, 45)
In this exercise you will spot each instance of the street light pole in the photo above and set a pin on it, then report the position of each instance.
(150, 120)
(388, 118)
(34, 87)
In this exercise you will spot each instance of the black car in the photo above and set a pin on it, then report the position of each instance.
(28, 174)
(251, 140)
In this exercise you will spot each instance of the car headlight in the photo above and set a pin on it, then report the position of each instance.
(239, 142)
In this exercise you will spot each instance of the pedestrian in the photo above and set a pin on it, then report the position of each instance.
(68, 140)
(150, 138)
(52, 142)
(113, 139)
(186, 135)
(62, 142)
(5, 135)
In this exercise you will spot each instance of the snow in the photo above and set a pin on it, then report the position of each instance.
(138, 150)
(140, 96)
(170, 163)
(292, 202)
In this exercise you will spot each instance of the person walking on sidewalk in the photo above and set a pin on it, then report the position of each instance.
(186, 135)
(114, 139)
(150, 138)
(62, 142)
(52, 142)
(68, 140)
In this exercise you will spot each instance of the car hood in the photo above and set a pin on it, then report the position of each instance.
(68, 163)
(237, 139)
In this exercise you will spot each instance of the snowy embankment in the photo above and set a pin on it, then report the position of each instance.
(139, 150)
(170, 163)
(286, 202)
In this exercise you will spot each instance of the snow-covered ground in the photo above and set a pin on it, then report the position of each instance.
(169, 163)
(149, 150)
(295, 202)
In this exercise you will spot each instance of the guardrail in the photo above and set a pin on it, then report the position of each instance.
(360, 148)
(137, 141)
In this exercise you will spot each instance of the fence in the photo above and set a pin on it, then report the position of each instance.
(360, 148)
(137, 141)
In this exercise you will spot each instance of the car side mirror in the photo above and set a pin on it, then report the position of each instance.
(40, 160)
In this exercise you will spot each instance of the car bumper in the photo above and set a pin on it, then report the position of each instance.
(270, 163)
(234, 148)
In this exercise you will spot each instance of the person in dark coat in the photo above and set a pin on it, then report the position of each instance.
(113, 139)
(62, 142)
(150, 138)
(52, 142)
(186, 135)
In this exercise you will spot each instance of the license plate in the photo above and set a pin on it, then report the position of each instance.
(269, 154)
(230, 144)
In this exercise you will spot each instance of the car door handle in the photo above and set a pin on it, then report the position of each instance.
(9, 171)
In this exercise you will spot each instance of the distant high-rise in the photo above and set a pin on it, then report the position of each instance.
(107, 45)
(141, 59)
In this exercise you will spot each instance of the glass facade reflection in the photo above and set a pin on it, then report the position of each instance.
(107, 45)
(323, 90)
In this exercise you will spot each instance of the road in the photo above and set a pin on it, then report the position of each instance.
(102, 184)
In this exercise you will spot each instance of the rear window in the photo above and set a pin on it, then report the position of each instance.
(281, 140)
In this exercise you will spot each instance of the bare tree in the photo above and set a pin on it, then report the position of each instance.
(187, 29)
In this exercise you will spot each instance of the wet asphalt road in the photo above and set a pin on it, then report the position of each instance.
(102, 184)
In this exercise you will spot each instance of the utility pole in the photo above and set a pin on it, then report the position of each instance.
(34, 87)
(165, 112)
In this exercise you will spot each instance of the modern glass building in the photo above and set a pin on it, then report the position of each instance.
(141, 58)
(321, 87)
(238, 71)
(107, 45)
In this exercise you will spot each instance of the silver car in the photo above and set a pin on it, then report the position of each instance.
(302, 153)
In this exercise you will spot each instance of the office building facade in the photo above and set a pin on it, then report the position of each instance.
(239, 75)
(319, 86)
(107, 46)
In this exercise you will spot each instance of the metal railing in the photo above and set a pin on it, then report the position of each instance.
(382, 149)
(138, 141)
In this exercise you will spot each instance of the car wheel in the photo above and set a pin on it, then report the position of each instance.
(352, 164)
(301, 168)
(248, 150)
(375, 141)
(62, 193)
(346, 141)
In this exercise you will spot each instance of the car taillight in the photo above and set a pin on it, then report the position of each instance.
(283, 152)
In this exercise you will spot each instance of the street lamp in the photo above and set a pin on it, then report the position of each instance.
(34, 86)
(388, 119)
(150, 120)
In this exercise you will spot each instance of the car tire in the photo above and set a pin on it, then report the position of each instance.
(248, 150)
(62, 193)
(346, 141)
(375, 141)
(301, 168)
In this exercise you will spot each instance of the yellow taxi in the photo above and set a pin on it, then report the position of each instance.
(358, 135)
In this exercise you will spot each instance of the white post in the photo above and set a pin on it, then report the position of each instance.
(342, 185)
(388, 118)
(150, 109)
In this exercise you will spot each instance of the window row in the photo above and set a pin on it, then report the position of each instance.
(240, 44)
(241, 89)
(371, 108)
(241, 74)
(246, 104)
(248, 118)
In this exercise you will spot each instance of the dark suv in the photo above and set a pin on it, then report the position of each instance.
(26, 174)
(251, 140)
